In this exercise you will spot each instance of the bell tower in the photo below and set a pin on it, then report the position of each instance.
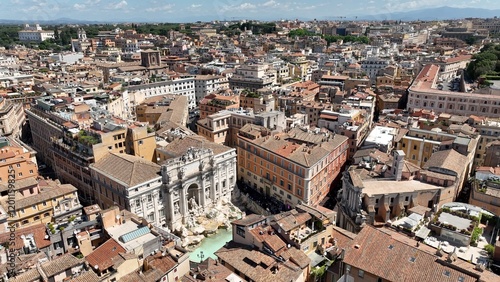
(150, 58)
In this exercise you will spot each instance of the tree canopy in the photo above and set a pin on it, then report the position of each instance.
(329, 38)
(486, 62)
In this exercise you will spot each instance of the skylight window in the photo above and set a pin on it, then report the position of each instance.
(413, 259)
(446, 273)
(391, 247)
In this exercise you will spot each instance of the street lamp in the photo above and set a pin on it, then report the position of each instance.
(201, 255)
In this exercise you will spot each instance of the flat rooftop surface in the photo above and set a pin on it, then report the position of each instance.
(392, 187)
(117, 231)
(458, 222)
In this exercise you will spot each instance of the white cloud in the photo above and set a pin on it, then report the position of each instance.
(194, 6)
(270, 3)
(244, 6)
(164, 8)
(79, 7)
(312, 7)
(39, 7)
(118, 5)
(398, 5)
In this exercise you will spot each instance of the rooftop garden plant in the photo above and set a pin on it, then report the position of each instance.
(85, 138)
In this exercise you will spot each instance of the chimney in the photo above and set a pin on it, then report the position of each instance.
(397, 166)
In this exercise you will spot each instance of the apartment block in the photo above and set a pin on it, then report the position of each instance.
(12, 118)
(449, 67)
(295, 166)
(261, 100)
(223, 127)
(44, 127)
(378, 191)
(419, 145)
(257, 253)
(371, 66)
(42, 201)
(487, 151)
(355, 262)
(164, 109)
(70, 146)
(207, 84)
(380, 137)
(252, 77)
(352, 123)
(137, 250)
(485, 189)
(424, 93)
(18, 158)
(77, 149)
(184, 86)
(215, 103)
(492, 155)
(63, 268)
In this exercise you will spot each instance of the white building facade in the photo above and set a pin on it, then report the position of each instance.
(206, 84)
(373, 65)
(196, 180)
(181, 86)
(35, 33)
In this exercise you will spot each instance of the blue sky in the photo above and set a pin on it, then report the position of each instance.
(193, 10)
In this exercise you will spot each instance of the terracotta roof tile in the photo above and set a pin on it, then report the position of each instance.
(31, 275)
(88, 276)
(61, 264)
(448, 159)
(162, 263)
(130, 170)
(38, 231)
(372, 243)
(258, 266)
(102, 257)
(179, 146)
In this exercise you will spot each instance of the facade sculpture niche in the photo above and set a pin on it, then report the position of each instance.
(194, 191)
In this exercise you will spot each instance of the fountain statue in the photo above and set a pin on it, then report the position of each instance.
(193, 204)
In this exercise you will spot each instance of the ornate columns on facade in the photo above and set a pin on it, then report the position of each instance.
(202, 196)
(155, 207)
(144, 207)
(182, 200)
(226, 178)
(214, 183)
(169, 207)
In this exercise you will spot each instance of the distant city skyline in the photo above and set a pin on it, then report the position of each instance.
(194, 10)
